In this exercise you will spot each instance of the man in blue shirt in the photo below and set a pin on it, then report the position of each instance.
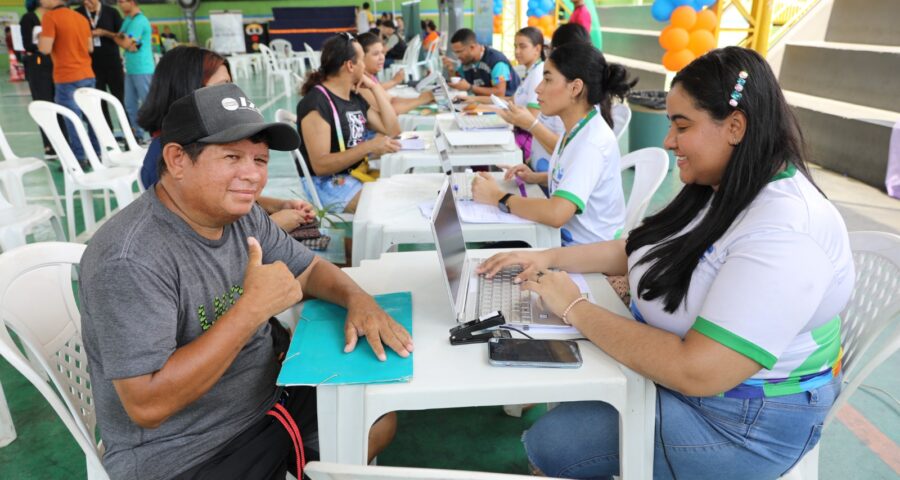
(484, 71)
(135, 39)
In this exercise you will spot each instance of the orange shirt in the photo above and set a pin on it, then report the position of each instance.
(71, 33)
(432, 36)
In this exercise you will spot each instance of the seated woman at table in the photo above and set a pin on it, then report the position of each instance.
(373, 47)
(584, 181)
(181, 71)
(334, 120)
(529, 43)
(737, 287)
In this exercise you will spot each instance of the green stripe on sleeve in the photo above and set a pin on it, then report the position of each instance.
(579, 205)
(735, 342)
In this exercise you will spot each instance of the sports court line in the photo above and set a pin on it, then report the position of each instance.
(871, 436)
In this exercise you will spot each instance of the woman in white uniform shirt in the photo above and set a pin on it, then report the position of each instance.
(738, 286)
(584, 181)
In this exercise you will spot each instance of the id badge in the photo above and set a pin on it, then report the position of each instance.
(96, 41)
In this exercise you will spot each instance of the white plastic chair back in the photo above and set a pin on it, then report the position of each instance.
(38, 305)
(12, 170)
(45, 115)
(281, 47)
(90, 101)
(870, 327)
(282, 115)
(621, 115)
(5, 149)
(650, 167)
(17, 221)
(269, 61)
(315, 60)
(335, 471)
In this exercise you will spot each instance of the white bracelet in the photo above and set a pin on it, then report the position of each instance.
(533, 124)
(569, 309)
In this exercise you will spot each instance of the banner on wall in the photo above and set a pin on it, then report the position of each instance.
(227, 31)
(254, 34)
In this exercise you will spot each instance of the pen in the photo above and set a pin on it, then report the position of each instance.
(521, 185)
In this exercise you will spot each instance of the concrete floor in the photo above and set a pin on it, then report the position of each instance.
(862, 443)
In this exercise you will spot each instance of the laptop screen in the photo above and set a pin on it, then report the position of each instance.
(449, 240)
(443, 151)
(449, 95)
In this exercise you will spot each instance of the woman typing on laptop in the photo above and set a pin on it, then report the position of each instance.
(585, 185)
(737, 286)
(333, 119)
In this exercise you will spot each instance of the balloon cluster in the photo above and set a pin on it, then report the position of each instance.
(498, 16)
(690, 30)
(662, 9)
(541, 15)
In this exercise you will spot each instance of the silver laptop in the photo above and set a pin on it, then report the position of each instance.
(472, 122)
(472, 295)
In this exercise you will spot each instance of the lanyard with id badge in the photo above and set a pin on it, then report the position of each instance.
(361, 171)
(94, 19)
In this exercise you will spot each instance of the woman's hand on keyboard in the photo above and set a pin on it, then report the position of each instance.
(556, 289)
(532, 262)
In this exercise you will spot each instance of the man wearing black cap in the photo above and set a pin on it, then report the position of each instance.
(177, 291)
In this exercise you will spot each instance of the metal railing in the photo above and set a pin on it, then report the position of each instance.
(767, 21)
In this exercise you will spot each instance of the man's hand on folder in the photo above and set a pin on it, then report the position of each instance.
(366, 318)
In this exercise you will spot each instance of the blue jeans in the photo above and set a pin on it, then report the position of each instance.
(136, 89)
(65, 96)
(696, 437)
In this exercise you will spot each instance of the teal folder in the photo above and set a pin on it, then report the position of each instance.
(316, 355)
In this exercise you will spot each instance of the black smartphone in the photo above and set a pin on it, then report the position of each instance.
(517, 352)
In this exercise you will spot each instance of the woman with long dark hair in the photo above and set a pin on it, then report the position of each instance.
(179, 72)
(737, 287)
(584, 180)
(334, 120)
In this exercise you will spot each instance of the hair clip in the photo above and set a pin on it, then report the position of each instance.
(737, 94)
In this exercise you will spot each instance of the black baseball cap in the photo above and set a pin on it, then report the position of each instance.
(222, 114)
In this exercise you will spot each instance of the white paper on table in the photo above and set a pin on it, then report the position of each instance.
(474, 212)
(414, 143)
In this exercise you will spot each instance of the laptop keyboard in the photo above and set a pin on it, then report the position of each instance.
(470, 122)
(500, 293)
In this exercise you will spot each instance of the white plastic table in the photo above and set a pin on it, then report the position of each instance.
(388, 214)
(446, 376)
(402, 161)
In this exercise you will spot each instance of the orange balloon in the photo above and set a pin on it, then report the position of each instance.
(547, 21)
(706, 20)
(533, 21)
(684, 17)
(678, 59)
(674, 38)
(701, 41)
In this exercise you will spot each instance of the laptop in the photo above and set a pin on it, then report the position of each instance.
(473, 295)
(472, 122)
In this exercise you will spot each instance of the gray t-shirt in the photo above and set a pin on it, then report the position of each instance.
(149, 285)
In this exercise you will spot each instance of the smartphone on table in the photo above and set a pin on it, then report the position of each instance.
(517, 352)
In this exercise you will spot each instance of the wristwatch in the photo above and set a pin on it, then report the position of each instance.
(502, 205)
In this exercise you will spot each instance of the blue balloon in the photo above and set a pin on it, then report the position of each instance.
(530, 13)
(706, 3)
(498, 10)
(662, 10)
(695, 4)
(548, 5)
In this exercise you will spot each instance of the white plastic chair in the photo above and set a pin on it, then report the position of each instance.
(284, 52)
(118, 179)
(432, 61)
(90, 101)
(12, 170)
(16, 222)
(315, 58)
(621, 118)
(650, 168)
(870, 329)
(410, 60)
(274, 72)
(282, 115)
(38, 305)
(337, 471)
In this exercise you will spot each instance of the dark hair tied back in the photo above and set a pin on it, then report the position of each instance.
(602, 81)
(336, 51)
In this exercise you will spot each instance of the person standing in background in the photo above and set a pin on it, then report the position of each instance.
(135, 38)
(38, 67)
(66, 37)
(581, 15)
(363, 19)
(106, 61)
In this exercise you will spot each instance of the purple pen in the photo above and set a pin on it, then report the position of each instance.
(521, 185)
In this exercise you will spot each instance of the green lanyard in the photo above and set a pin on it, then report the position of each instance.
(578, 126)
